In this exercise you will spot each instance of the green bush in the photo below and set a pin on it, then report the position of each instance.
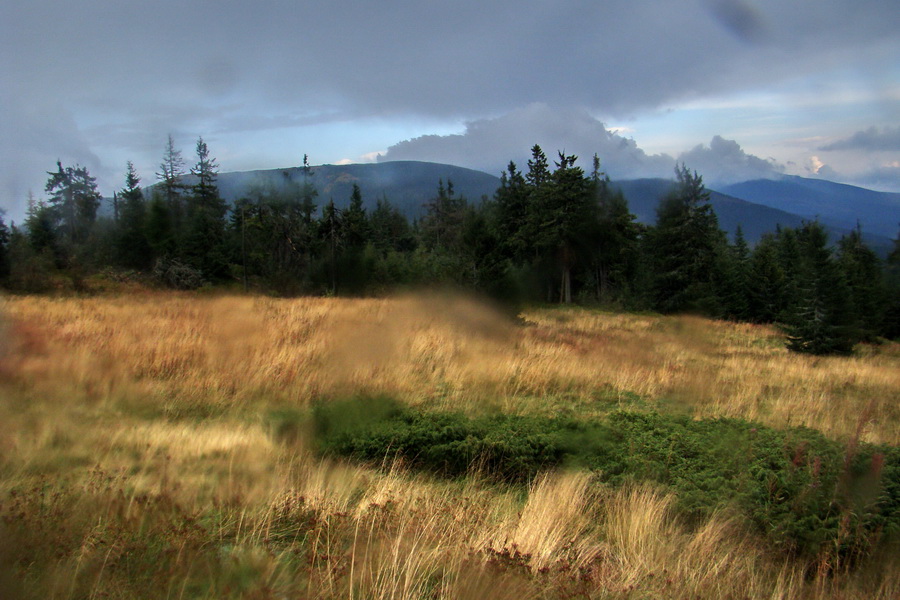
(804, 492)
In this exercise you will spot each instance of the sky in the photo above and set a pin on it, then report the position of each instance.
(735, 89)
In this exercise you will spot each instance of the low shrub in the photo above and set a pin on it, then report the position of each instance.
(806, 493)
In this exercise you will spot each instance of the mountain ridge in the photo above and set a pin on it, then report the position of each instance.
(758, 206)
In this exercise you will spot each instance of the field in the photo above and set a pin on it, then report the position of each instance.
(160, 445)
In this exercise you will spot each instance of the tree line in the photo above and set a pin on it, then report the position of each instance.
(551, 233)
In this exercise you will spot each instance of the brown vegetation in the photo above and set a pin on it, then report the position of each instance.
(137, 456)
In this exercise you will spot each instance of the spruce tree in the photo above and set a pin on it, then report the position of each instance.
(133, 248)
(821, 319)
(615, 241)
(766, 292)
(73, 202)
(204, 244)
(684, 248)
(862, 271)
(4, 249)
(171, 177)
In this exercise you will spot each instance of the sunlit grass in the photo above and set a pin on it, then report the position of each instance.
(138, 455)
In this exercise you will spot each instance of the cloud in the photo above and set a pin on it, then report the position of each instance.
(489, 144)
(132, 69)
(869, 140)
(724, 161)
(884, 178)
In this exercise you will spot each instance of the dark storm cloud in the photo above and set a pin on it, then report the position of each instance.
(183, 64)
(459, 58)
(871, 140)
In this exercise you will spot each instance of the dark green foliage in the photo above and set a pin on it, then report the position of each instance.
(821, 319)
(510, 448)
(684, 249)
(862, 270)
(203, 247)
(4, 249)
(170, 175)
(73, 202)
(614, 262)
(767, 286)
(133, 247)
(736, 279)
(891, 328)
(806, 493)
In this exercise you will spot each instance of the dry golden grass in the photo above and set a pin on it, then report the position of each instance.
(136, 439)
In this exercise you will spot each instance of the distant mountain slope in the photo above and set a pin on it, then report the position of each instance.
(407, 184)
(758, 206)
(835, 204)
(644, 195)
(755, 219)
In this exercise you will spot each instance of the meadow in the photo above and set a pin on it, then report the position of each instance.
(165, 445)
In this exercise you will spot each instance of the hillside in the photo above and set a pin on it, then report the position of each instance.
(835, 204)
(755, 218)
(407, 184)
(757, 206)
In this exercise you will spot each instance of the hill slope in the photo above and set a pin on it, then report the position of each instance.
(835, 204)
(406, 184)
(754, 218)
(757, 206)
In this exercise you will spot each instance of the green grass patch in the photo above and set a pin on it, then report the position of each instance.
(805, 492)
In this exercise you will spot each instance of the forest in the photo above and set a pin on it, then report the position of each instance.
(552, 233)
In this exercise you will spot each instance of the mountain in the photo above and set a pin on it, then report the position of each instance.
(755, 220)
(758, 218)
(758, 206)
(406, 184)
(835, 204)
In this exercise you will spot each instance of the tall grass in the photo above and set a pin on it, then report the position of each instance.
(140, 458)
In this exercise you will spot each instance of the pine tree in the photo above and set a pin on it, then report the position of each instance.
(684, 248)
(390, 229)
(441, 227)
(356, 222)
(171, 173)
(615, 239)
(204, 245)
(331, 235)
(736, 278)
(511, 215)
(4, 249)
(821, 320)
(891, 324)
(73, 202)
(133, 248)
(862, 271)
(766, 293)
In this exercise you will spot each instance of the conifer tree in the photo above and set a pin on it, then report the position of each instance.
(736, 278)
(73, 202)
(821, 319)
(615, 259)
(891, 324)
(511, 215)
(4, 249)
(684, 247)
(862, 271)
(204, 245)
(170, 175)
(766, 295)
(133, 248)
